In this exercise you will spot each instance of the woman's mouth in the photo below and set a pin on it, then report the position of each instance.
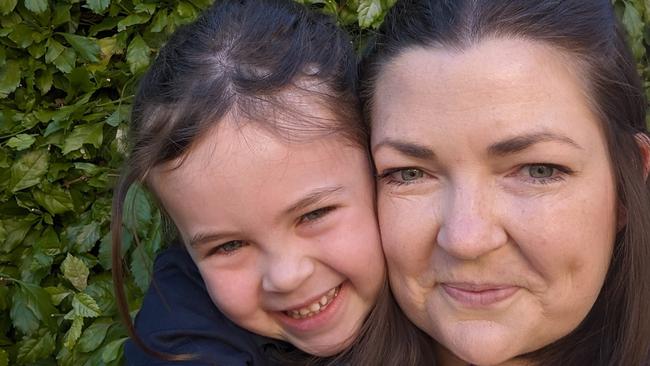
(477, 296)
(315, 307)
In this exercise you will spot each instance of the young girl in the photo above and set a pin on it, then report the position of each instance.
(247, 130)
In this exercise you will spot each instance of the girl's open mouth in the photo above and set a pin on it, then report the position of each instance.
(315, 307)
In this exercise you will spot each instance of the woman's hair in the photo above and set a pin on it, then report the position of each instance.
(617, 329)
(253, 60)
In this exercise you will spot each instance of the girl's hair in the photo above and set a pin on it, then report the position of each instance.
(247, 59)
(617, 329)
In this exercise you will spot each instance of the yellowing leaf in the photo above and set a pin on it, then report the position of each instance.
(28, 170)
(85, 306)
(73, 334)
(75, 271)
(369, 12)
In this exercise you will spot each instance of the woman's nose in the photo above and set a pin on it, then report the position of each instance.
(470, 226)
(286, 271)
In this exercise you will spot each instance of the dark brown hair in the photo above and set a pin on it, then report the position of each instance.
(617, 329)
(243, 58)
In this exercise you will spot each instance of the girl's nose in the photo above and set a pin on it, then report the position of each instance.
(287, 271)
(470, 226)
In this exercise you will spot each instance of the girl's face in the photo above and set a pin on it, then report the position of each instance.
(496, 197)
(284, 234)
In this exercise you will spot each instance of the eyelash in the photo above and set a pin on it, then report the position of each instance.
(320, 212)
(559, 173)
(387, 176)
(219, 249)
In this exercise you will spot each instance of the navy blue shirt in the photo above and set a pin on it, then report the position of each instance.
(178, 317)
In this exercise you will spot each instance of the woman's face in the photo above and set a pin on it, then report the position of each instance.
(284, 234)
(496, 197)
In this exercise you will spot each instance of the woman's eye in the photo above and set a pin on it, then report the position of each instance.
(315, 215)
(411, 174)
(540, 171)
(544, 173)
(402, 176)
(229, 247)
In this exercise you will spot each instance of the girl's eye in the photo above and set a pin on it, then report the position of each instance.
(315, 215)
(401, 176)
(228, 248)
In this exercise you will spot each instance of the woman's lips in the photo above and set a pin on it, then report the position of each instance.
(476, 296)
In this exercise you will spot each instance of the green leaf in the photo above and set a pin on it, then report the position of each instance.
(83, 134)
(137, 55)
(21, 141)
(142, 266)
(54, 50)
(44, 81)
(86, 47)
(160, 21)
(132, 19)
(37, 6)
(98, 6)
(61, 14)
(31, 304)
(120, 115)
(56, 200)
(57, 294)
(10, 76)
(66, 60)
(94, 335)
(22, 35)
(75, 271)
(33, 349)
(85, 306)
(14, 231)
(112, 350)
(73, 334)
(6, 6)
(137, 208)
(28, 170)
(83, 237)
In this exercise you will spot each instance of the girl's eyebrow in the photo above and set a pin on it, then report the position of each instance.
(518, 143)
(313, 197)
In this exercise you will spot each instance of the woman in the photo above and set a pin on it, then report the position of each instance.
(511, 150)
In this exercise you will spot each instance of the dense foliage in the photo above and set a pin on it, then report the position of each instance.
(68, 70)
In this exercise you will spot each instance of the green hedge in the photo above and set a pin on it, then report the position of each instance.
(68, 70)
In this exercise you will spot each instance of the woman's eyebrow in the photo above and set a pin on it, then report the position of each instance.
(407, 148)
(518, 143)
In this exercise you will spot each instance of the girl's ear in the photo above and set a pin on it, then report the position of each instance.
(643, 141)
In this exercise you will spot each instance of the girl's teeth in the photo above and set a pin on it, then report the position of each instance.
(314, 308)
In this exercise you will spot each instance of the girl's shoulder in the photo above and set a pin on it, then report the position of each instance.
(178, 317)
